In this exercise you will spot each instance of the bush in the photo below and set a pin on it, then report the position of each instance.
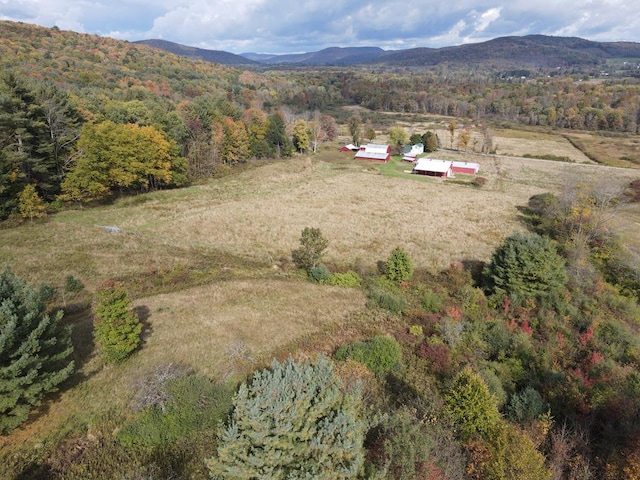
(398, 267)
(293, 420)
(388, 301)
(432, 302)
(379, 354)
(319, 273)
(349, 279)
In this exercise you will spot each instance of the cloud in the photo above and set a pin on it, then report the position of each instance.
(279, 26)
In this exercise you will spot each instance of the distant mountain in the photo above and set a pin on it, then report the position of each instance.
(531, 51)
(528, 51)
(214, 56)
(328, 56)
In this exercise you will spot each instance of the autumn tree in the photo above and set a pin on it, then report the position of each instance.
(35, 350)
(329, 126)
(430, 141)
(121, 157)
(398, 136)
(294, 420)
(30, 204)
(369, 131)
(301, 140)
(452, 130)
(235, 145)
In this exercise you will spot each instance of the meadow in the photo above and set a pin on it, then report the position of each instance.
(209, 266)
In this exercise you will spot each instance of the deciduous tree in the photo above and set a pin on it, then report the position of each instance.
(312, 247)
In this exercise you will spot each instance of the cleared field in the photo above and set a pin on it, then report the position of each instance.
(216, 329)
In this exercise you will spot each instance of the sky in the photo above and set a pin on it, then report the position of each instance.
(297, 26)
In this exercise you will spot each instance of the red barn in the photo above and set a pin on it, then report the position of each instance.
(465, 168)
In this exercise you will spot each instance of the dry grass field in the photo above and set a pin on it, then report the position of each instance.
(238, 232)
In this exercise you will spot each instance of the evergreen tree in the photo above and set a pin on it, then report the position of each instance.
(526, 266)
(294, 421)
(398, 267)
(277, 138)
(35, 350)
(117, 328)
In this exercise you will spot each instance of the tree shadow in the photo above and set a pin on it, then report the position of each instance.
(143, 313)
(475, 269)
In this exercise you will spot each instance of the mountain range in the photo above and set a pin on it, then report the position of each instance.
(531, 51)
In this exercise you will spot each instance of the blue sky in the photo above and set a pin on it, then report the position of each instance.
(286, 26)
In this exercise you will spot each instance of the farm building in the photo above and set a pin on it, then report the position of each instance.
(349, 148)
(374, 151)
(409, 158)
(465, 168)
(433, 168)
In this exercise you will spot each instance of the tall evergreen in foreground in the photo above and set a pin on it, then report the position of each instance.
(292, 421)
(34, 350)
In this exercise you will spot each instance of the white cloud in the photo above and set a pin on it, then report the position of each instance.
(285, 25)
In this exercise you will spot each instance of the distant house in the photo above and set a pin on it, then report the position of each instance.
(409, 158)
(465, 168)
(413, 150)
(374, 151)
(433, 168)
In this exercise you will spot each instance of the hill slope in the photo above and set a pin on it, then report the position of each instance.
(214, 56)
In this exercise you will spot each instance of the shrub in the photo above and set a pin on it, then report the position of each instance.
(293, 420)
(380, 354)
(193, 403)
(431, 301)
(388, 301)
(526, 406)
(398, 267)
(117, 328)
(349, 279)
(312, 247)
(319, 273)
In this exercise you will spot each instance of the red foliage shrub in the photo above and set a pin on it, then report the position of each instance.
(438, 354)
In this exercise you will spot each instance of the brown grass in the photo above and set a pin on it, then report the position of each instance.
(240, 228)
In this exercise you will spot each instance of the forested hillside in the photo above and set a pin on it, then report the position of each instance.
(197, 284)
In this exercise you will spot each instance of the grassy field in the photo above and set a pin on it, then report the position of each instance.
(208, 266)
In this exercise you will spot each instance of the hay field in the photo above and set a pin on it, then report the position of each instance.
(364, 214)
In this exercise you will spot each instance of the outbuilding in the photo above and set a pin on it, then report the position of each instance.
(374, 151)
(465, 168)
(433, 168)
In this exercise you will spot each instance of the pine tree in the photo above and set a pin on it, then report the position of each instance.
(526, 266)
(398, 267)
(117, 328)
(292, 421)
(277, 137)
(35, 350)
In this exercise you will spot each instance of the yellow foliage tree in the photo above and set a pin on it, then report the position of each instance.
(30, 204)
